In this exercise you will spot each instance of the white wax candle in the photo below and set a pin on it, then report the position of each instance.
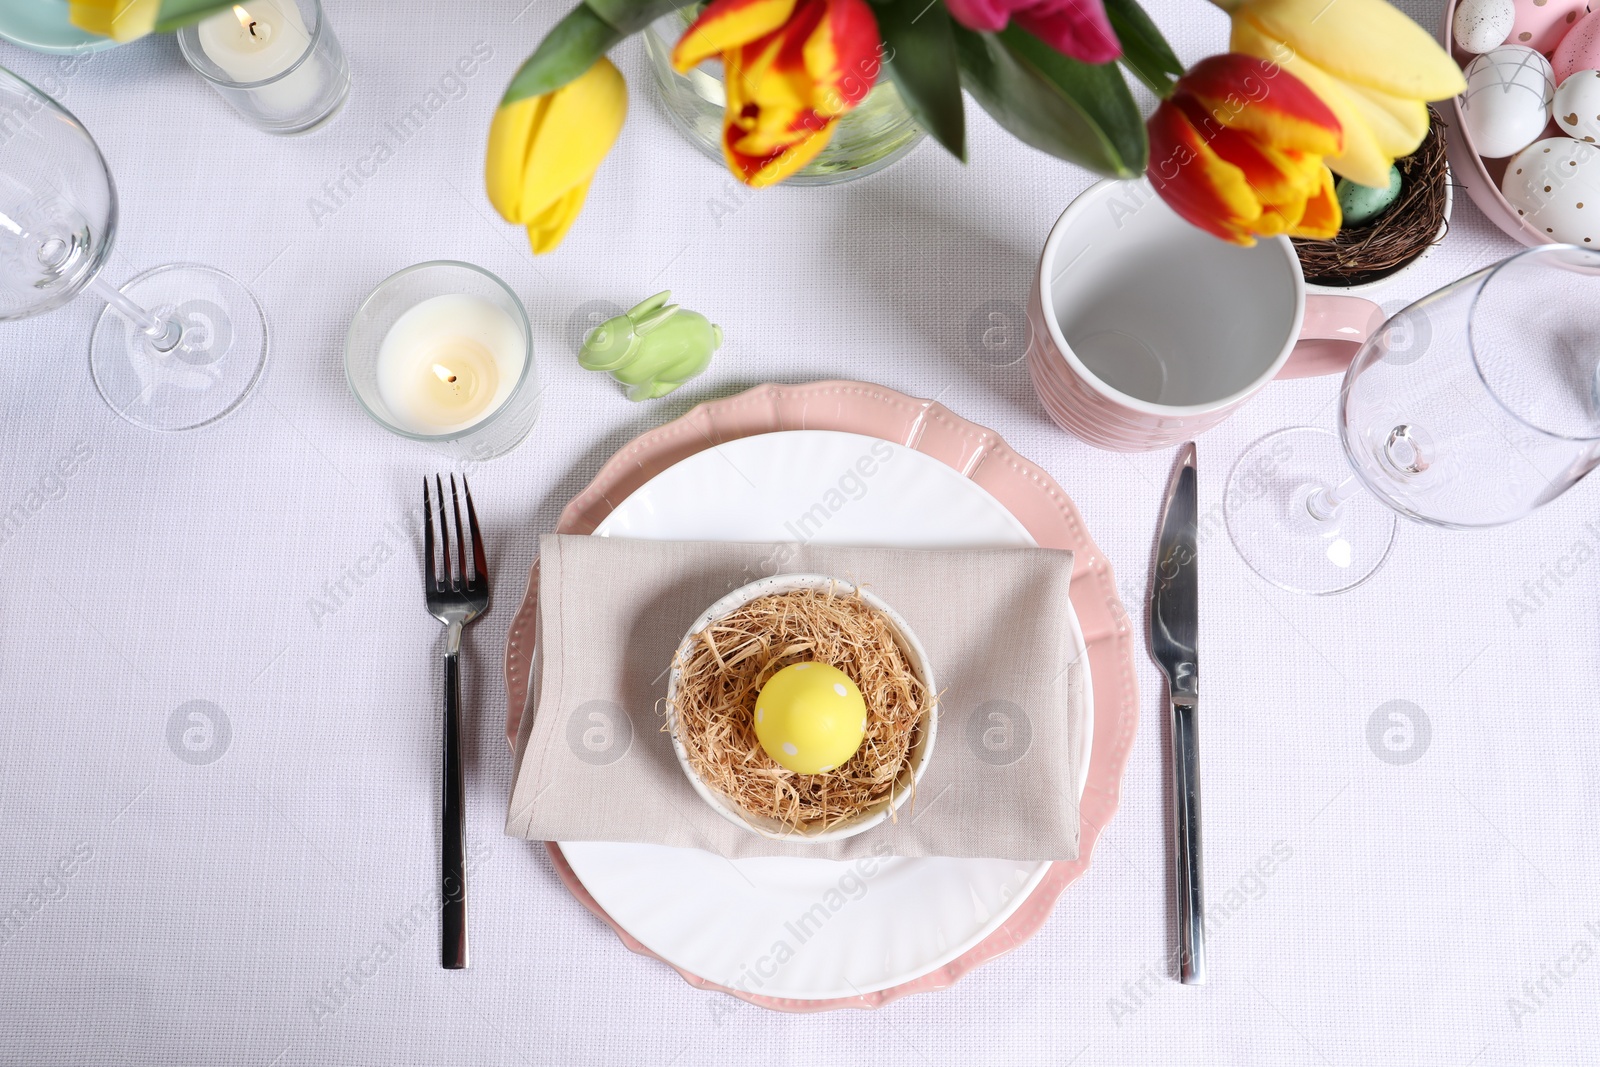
(448, 363)
(259, 40)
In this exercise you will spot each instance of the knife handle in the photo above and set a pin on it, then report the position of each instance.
(1186, 842)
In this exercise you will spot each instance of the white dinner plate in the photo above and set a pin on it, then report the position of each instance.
(811, 929)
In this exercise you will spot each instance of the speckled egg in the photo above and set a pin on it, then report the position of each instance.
(1554, 184)
(810, 717)
(1577, 105)
(1578, 50)
(1507, 103)
(1361, 204)
(1480, 25)
(1540, 24)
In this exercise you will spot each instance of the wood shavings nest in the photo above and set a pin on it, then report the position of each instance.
(722, 670)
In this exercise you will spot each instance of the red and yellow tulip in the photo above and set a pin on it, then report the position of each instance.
(544, 150)
(1238, 150)
(1076, 28)
(791, 69)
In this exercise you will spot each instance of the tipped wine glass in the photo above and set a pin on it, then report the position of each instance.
(178, 346)
(1470, 408)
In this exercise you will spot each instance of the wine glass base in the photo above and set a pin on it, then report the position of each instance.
(212, 370)
(1268, 518)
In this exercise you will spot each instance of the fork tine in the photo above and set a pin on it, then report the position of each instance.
(461, 545)
(427, 534)
(480, 565)
(446, 578)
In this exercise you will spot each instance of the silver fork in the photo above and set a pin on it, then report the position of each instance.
(455, 599)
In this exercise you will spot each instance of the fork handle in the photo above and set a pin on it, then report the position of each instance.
(453, 866)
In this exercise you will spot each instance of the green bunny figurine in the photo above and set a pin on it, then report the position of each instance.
(652, 349)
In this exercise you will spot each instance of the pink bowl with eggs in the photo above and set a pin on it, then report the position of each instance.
(1478, 176)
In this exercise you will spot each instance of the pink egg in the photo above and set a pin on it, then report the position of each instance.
(1579, 49)
(1540, 24)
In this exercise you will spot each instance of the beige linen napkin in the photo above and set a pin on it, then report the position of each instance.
(593, 764)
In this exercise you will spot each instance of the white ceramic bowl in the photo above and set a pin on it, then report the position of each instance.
(910, 647)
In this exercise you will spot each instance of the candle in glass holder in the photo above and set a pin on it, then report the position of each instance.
(448, 363)
(256, 42)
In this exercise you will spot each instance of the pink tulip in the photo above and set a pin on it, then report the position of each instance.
(1076, 28)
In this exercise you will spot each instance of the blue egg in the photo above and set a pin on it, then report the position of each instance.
(1362, 204)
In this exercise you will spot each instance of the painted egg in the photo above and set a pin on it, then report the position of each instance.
(810, 717)
(1483, 24)
(1507, 103)
(1540, 24)
(1578, 50)
(1577, 105)
(1360, 204)
(1555, 186)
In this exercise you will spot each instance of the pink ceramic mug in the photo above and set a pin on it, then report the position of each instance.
(1147, 331)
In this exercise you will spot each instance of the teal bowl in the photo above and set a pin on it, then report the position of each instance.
(42, 26)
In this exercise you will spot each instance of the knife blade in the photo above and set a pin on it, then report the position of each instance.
(1174, 628)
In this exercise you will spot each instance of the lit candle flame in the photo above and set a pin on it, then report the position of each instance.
(245, 21)
(444, 373)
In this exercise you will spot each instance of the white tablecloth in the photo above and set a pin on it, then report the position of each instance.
(1436, 911)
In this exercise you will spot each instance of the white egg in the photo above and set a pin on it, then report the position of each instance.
(1577, 105)
(1507, 102)
(1482, 24)
(1555, 186)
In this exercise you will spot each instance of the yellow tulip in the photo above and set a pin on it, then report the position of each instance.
(121, 20)
(1374, 68)
(544, 150)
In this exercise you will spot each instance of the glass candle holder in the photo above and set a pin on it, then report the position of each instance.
(441, 353)
(276, 62)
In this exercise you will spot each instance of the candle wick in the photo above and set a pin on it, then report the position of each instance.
(253, 29)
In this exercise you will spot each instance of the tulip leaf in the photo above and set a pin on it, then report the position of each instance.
(1098, 90)
(574, 44)
(571, 47)
(920, 53)
(1080, 112)
(177, 13)
(1144, 50)
(631, 16)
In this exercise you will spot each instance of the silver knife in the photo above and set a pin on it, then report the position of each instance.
(1174, 622)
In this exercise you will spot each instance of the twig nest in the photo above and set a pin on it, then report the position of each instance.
(1369, 251)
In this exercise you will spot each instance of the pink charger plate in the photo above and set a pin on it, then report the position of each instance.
(978, 453)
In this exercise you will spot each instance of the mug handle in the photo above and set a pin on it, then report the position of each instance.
(1332, 332)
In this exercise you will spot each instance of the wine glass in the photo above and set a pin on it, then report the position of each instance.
(177, 347)
(1472, 407)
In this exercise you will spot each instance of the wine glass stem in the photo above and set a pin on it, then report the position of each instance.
(1324, 503)
(164, 334)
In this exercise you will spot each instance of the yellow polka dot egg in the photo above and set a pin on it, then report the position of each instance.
(810, 717)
